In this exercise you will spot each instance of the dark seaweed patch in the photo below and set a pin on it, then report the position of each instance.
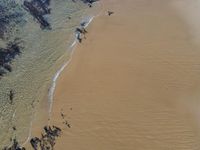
(47, 140)
(38, 9)
(10, 15)
(7, 55)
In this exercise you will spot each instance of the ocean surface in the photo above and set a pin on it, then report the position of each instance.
(36, 68)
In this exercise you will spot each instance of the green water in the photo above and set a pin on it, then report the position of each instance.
(44, 53)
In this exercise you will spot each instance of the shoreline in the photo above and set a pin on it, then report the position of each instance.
(47, 118)
(57, 74)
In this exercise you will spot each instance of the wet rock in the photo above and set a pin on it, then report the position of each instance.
(14, 128)
(47, 140)
(79, 32)
(110, 13)
(62, 115)
(35, 143)
(7, 67)
(67, 124)
(11, 96)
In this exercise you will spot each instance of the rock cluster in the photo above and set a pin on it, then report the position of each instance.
(15, 146)
(47, 140)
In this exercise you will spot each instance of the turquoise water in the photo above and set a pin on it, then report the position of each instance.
(45, 51)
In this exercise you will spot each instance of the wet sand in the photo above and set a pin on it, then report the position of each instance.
(133, 83)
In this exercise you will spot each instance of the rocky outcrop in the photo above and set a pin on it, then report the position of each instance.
(47, 140)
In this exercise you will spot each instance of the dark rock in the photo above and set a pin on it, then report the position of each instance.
(89, 1)
(34, 142)
(2, 71)
(14, 128)
(47, 140)
(7, 67)
(79, 32)
(11, 96)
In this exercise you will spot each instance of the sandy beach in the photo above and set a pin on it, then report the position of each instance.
(133, 83)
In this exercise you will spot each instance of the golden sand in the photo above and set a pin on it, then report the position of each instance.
(133, 84)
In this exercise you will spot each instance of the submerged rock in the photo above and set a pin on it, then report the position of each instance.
(7, 55)
(38, 9)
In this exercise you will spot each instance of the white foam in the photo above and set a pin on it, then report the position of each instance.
(29, 134)
(54, 80)
(73, 44)
(53, 86)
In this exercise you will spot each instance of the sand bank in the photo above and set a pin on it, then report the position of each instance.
(133, 83)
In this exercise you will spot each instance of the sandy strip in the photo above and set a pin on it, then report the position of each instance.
(132, 84)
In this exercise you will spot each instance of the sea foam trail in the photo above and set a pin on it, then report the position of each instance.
(86, 22)
(53, 86)
(29, 133)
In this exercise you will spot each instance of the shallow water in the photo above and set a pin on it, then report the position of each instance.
(44, 53)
